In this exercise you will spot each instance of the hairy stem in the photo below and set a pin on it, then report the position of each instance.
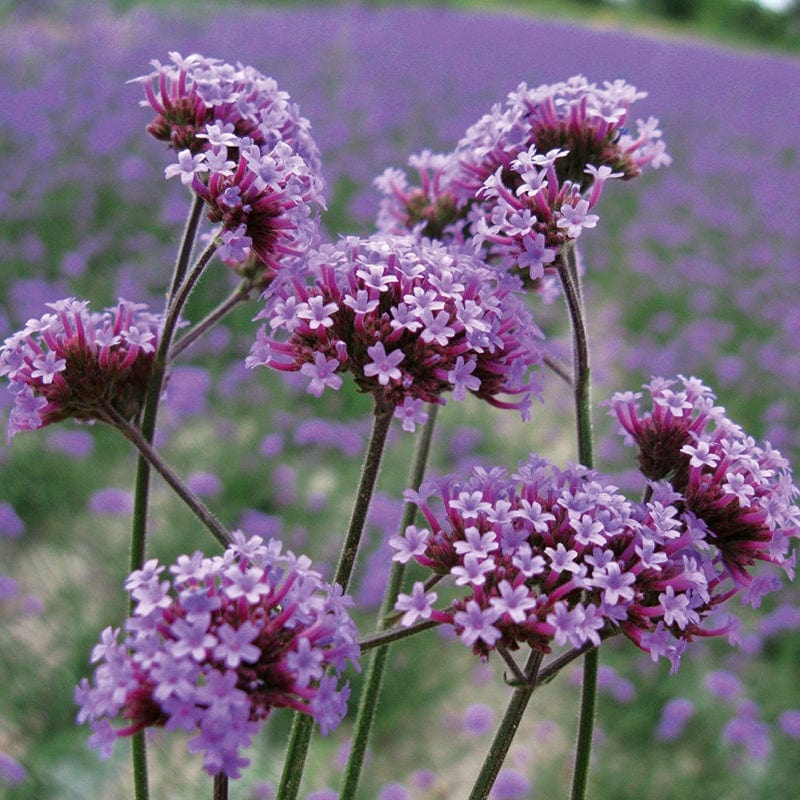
(570, 280)
(135, 437)
(370, 695)
(373, 640)
(141, 495)
(300, 737)
(507, 729)
(187, 243)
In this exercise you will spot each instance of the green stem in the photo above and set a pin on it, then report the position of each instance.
(239, 295)
(507, 729)
(201, 511)
(373, 640)
(570, 280)
(300, 737)
(580, 382)
(141, 495)
(187, 243)
(373, 682)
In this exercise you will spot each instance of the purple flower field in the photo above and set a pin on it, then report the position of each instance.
(691, 270)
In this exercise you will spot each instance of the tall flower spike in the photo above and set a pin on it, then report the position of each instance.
(410, 321)
(214, 649)
(74, 363)
(738, 493)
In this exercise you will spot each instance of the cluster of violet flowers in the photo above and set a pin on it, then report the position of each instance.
(410, 321)
(434, 303)
(216, 649)
(523, 181)
(550, 556)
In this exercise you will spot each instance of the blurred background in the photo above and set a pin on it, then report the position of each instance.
(691, 270)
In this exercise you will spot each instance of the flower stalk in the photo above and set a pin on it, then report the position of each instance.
(571, 283)
(370, 696)
(300, 737)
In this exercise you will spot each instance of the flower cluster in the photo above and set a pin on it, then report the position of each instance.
(524, 179)
(558, 556)
(190, 94)
(738, 494)
(75, 363)
(213, 651)
(246, 151)
(410, 321)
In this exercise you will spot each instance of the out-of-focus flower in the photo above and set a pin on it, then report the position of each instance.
(674, 717)
(410, 321)
(216, 648)
(75, 363)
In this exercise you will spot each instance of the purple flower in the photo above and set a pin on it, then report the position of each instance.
(738, 496)
(12, 773)
(74, 363)
(111, 501)
(216, 649)
(674, 716)
(11, 526)
(202, 103)
(245, 150)
(510, 785)
(435, 321)
(478, 719)
(521, 182)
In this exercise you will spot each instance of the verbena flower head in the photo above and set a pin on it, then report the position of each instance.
(213, 649)
(737, 493)
(538, 555)
(523, 181)
(190, 94)
(72, 362)
(430, 209)
(263, 202)
(243, 147)
(551, 556)
(408, 320)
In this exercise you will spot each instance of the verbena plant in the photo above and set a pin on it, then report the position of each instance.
(542, 561)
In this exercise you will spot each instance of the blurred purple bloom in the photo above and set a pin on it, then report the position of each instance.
(75, 444)
(477, 720)
(394, 791)
(12, 773)
(205, 484)
(510, 784)
(111, 501)
(789, 723)
(11, 526)
(674, 716)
